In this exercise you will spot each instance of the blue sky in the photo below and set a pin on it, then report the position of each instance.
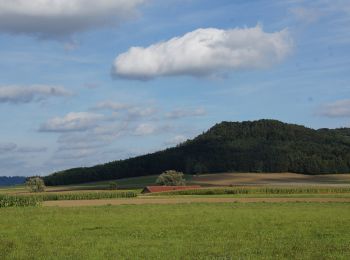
(73, 91)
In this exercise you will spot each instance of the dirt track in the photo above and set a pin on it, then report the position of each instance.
(141, 201)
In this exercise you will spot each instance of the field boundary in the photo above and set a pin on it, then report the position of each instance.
(144, 201)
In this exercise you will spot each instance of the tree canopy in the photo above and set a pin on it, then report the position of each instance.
(171, 178)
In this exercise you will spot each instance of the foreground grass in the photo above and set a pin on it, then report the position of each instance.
(185, 231)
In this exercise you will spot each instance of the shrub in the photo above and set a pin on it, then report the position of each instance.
(171, 178)
(113, 185)
(35, 184)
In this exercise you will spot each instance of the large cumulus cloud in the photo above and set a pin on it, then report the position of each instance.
(205, 52)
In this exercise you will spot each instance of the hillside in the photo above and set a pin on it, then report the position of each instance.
(257, 146)
(9, 181)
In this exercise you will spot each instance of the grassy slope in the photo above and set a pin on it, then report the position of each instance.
(196, 231)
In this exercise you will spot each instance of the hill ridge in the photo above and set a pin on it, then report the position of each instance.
(264, 145)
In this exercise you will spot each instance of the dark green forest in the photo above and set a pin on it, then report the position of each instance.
(251, 146)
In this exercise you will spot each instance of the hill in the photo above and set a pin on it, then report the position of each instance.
(9, 181)
(251, 146)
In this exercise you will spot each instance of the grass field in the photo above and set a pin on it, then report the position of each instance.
(183, 231)
(256, 218)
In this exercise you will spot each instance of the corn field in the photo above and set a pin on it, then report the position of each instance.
(36, 199)
(257, 190)
(85, 195)
(18, 201)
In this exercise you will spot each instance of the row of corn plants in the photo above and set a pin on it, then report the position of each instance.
(257, 190)
(85, 195)
(36, 199)
(19, 201)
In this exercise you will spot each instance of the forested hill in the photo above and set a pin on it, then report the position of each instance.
(258, 146)
(9, 181)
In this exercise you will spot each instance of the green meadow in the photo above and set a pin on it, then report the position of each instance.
(182, 231)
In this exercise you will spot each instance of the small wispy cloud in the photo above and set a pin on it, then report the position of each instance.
(176, 140)
(33, 93)
(306, 14)
(111, 105)
(339, 108)
(181, 113)
(72, 122)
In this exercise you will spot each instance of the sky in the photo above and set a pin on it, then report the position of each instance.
(85, 82)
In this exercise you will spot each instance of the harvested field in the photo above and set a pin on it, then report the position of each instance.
(141, 201)
(226, 179)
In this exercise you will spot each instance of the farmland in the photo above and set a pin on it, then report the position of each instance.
(208, 180)
(285, 179)
(188, 231)
(235, 215)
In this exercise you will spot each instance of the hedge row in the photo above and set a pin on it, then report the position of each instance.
(254, 190)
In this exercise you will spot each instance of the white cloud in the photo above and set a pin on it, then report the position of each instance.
(80, 121)
(59, 18)
(15, 149)
(150, 128)
(71, 46)
(339, 108)
(26, 94)
(141, 112)
(145, 129)
(74, 154)
(205, 52)
(19, 160)
(31, 150)
(181, 113)
(110, 105)
(176, 140)
(131, 111)
(7, 147)
(308, 15)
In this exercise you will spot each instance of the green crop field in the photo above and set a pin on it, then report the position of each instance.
(183, 231)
